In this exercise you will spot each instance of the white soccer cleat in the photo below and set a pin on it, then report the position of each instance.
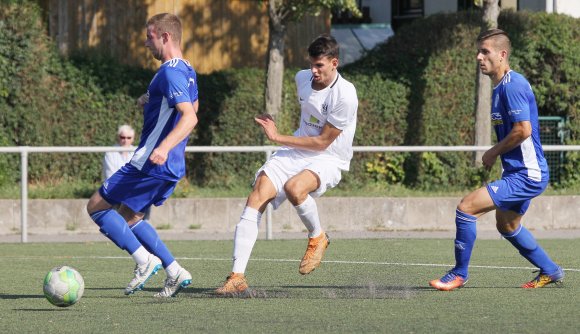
(142, 274)
(174, 285)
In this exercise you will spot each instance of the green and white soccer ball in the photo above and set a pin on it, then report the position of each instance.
(63, 286)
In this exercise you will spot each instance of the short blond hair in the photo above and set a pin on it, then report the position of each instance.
(166, 22)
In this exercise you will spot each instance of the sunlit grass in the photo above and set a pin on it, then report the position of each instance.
(362, 286)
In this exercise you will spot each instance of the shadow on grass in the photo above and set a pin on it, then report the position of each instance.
(105, 289)
(366, 291)
(58, 309)
(369, 291)
(5, 296)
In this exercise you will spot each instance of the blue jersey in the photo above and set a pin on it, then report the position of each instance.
(513, 101)
(175, 82)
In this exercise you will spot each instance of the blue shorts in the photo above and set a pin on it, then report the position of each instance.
(136, 189)
(514, 192)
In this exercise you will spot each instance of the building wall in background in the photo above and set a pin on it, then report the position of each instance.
(440, 6)
(568, 7)
(217, 34)
(380, 10)
(533, 5)
(509, 4)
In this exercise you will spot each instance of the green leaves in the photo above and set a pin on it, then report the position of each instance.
(417, 89)
(46, 100)
(294, 10)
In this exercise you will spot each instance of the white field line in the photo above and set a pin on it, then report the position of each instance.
(331, 261)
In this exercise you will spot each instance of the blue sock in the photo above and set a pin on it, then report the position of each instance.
(524, 241)
(465, 235)
(114, 227)
(151, 241)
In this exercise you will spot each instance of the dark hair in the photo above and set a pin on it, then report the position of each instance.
(490, 33)
(166, 22)
(324, 45)
(500, 38)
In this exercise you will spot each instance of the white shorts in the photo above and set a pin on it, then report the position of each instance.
(284, 164)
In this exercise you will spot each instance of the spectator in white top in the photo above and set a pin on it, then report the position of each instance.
(113, 161)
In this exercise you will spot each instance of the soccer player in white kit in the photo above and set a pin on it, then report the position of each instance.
(309, 163)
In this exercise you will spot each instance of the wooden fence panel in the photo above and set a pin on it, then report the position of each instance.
(217, 34)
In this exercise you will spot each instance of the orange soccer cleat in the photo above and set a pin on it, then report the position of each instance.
(235, 284)
(314, 253)
(448, 282)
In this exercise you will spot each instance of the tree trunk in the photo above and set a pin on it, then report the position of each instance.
(275, 71)
(483, 87)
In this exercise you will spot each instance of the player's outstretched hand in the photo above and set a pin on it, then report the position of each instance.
(267, 123)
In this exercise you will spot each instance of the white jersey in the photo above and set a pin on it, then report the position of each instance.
(336, 104)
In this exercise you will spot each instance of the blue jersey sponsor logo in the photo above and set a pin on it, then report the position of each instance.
(496, 119)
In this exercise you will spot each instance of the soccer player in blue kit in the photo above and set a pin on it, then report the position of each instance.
(514, 115)
(169, 110)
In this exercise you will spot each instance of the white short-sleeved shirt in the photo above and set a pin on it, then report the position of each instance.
(113, 161)
(336, 104)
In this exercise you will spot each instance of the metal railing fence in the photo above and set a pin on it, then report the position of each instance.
(24, 151)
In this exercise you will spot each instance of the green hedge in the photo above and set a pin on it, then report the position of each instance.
(228, 102)
(417, 89)
(233, 98)
(46, 100)
(435, 59)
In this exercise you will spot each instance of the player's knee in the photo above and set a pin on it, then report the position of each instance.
(506, 227)
(463, 206)
(289, 189)
(263, 191)
(295, 187)
(294, 192)
(130, 216)
(97, 203)
(466, 205)
(91, 205)
(258, 198)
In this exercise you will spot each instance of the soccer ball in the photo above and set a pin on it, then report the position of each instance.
(63, 286)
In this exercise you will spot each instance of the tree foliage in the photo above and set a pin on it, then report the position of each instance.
(416, 89)
(280, 13)
(294, 10)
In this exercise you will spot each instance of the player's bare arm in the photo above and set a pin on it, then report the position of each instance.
(317, 143)
(520, 132)
(186, 124)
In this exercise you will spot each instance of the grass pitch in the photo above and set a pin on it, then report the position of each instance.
(370, 285)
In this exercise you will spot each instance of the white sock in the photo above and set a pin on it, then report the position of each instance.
(308, 213)
(245, 238)
(141, 255)
(172, 270)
